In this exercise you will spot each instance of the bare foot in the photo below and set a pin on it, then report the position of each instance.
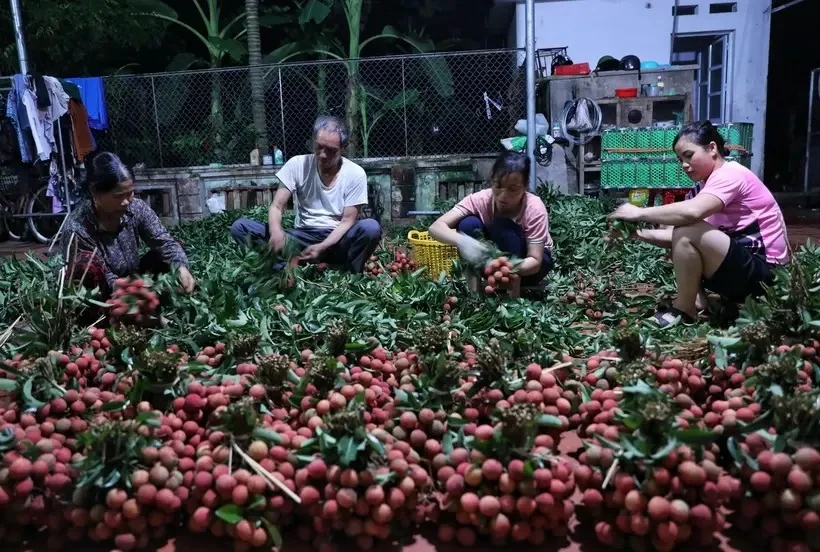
(701, 302)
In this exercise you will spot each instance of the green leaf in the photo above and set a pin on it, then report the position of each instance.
(722, 341)
(234, 48)
(230, 513)
(664, 452)
(695, 436)
(348, 449)
(315, 11)
(548, 420)
(8, 385)
(153, 7)
(273, 532)
(267, 435)
(113, 406)
(436, 67)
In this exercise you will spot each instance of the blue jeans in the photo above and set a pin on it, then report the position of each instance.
(351, 252)
(509, 238)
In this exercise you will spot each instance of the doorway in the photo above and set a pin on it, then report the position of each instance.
(712, 53)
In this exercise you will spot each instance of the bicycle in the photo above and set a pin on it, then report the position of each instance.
(25, 212)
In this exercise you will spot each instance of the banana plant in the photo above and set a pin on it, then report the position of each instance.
(221, 29)
(358, 99)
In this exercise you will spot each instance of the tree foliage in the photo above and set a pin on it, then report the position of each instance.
(67, 37)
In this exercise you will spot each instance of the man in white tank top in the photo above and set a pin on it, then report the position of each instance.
(328, 191)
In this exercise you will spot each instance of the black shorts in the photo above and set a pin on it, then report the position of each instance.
(740, 275)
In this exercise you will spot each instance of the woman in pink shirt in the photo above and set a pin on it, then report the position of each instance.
(726, 236)
(506, 214)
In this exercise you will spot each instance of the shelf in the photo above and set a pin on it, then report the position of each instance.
(642, 72)
(675, 98)
(592, 168)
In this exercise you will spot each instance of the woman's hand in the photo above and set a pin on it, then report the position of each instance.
(186, 279)
(627, 212)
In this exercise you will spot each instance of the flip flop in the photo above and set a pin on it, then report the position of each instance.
(679, 317)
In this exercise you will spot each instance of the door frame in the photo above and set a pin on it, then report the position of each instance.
(727, 66)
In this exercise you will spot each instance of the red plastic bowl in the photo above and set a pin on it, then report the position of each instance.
(626, 92)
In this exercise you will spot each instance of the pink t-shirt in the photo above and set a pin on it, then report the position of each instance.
(533, 217)
(750, 213)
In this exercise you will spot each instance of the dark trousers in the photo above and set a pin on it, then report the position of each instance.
(509, 238)
(351, 252)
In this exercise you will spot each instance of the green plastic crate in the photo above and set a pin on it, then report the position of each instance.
(662, 173)
(737, 134)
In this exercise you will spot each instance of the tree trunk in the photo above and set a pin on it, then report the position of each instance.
(353, 10)
(257, 86)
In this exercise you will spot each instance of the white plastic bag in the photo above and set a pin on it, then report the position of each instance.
(216, 203)
(541, 125)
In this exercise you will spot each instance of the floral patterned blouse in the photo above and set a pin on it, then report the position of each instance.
(119, 250)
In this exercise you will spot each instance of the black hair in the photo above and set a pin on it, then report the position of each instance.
(702, 133)
(511, 162)
(104, 172)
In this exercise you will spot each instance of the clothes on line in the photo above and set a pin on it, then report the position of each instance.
(91, 90)
(72, 90)
(40, 91)
(83, 140)
(20, 127)
(34, 126)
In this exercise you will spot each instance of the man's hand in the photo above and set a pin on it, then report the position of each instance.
(470, 249)
(627, 212)
(277, 240)
(313, 252)
(186, 279)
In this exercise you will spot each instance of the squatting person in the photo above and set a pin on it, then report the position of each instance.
(328, 191)
(506, 214)
(101, 237)
(725, 237)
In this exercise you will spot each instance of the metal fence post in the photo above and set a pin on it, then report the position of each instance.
(156, 122)
(404, 101)
(282, 113)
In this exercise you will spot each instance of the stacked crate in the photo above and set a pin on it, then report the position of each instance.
(643, 158)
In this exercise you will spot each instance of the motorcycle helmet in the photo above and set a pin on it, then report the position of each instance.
(607, 63)
(558, 60)
(630, 63)
(649, 65)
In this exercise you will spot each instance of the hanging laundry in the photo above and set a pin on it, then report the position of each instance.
(91, 90)
(83, 139)
(36, 119)
(43, 99)
(54, 183)
(9, 149)
(58, 105)
(57, 96)
(71, 89)
(20, 85)
(23, 141)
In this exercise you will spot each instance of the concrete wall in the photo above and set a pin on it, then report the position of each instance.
(404, 185)
(594, 28)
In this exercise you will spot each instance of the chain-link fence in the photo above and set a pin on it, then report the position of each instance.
(417, 105)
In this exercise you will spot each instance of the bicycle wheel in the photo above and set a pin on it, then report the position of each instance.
(14, 227)
(43, 228)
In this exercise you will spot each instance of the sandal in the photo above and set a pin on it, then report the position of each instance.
(677, 317)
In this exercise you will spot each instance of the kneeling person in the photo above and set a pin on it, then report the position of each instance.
(328, 190)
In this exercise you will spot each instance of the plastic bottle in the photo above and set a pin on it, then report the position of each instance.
(660, 85)
(278, 156)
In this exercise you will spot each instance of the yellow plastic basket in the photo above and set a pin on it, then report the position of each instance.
(437, 257)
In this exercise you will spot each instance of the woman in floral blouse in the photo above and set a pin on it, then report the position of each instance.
(104, 232)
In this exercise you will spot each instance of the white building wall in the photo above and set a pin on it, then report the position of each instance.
(594, 28)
